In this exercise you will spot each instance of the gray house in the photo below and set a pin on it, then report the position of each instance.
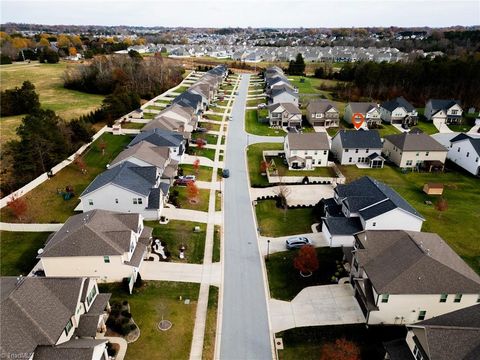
(322, 113)
(283, 94)
(284, 115)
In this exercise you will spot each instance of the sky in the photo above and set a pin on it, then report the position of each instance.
(235, 13)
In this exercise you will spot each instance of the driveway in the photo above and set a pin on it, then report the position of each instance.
(278, 244)
(314, 306)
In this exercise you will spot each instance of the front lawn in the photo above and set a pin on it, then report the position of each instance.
(149, 304)
(218, 201)
(181, 89)
(208, 153)
(427, 127)
(45, 203)
(155, 107)
(177, 233)
(213, 117)
(209, 138)
(255, 158)
(256, 102)
(276, 222)
(285, 282)
(184, 202)
(306, 343)
(460, 128)
(209, 126)
(254, 127)
(283, 170)
(211, 324)
(149, 115)
(204, 172)
(132, 125)
(19, 251)
(461, 193)
(216, 244)
(386, 129)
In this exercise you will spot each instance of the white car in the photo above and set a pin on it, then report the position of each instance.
(296, 242)
(187, 177)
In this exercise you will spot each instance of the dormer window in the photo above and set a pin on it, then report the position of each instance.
(68, 327)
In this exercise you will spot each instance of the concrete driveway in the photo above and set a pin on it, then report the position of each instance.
(278, 244)
(314, 306)
(299, 194)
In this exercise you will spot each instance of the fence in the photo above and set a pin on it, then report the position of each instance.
(30, 227)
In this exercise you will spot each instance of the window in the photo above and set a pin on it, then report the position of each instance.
(316, 152)
(421, 314)
(443, 298)
(476, 159)
(346, 150)
(325, 152)
(106, 259)
(137, 201)
(458, 298)
(356, 151)
(349, 159)
(417, 154)
(478, 299)
(454, 112)
(91, 295)
(458, 149)
(416, 352)
(468, 154)
(116, 201)
(90, 202)
(426, 154)
(366, 151)
(134, 201)
(68, 327)
(313, 161)
(409, 163)
(306, 153)
(385, 298)
(374, 224)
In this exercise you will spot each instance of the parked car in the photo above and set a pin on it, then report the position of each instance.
(236, 92)
(201, 129)
(296, 242)
(188, 177)
(261, 106)
(183, 182)
(230, 118)
(200, 141)
(225, 173)
(292, 129)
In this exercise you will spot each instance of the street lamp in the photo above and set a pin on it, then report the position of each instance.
(268, 249)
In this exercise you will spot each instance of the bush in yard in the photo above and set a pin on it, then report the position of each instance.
(306, 261)
(192, 191)
(138, 282)
(18, 206)
(342, 349)
(442, 204)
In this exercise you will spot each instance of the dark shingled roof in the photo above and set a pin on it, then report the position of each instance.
(320, 106)
(410, 262)
(188, 99)
(361, 139)
(362, 107)
(415, 142)
(398, 102)
(343, 225)
(76, 349)
(474, 141)
(398, 350)
(278, 91)
(441, 104)
(138, 179)
(468, 317)
(154, 199)
(289, 107)
(159, 137)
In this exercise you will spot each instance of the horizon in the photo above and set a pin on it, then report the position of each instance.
(237, 14)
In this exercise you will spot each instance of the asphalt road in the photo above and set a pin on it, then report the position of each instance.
(245, 329)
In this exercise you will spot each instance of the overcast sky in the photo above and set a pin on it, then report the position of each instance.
(255, 13)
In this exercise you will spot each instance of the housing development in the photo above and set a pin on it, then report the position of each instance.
(239, 194)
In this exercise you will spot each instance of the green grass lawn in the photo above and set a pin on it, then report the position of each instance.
(201, 205)
(204, 172)
(255, 158)
(222, 103)
(209, 126)
(211, 324)
(218, 201)
(48, 82)
(182, 89)
(427, 127)
(216, 243)
(45, 196)
(256, 102)
(276, 222)
(177, 233)
(285, 281)
(217, 110)
(306, 343)
(387, 129)
(209, 138)
(310, 85)
(151, 302)
(149, 115)
(460, 128)
(19, 251)
(155, 107)
(284, 171)
(132, 125)
(208, 153)
(213, 117)
(254, 127)
(461, 193)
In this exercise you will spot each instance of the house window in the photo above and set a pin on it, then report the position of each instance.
(468, 154)
(421, 314)
(454, 112)
(349, 159)
(426, 154)
(90, 202)
(458, 149)
(313, 161)
(346, 150)
(409, 162)
(137, 201)
(443, 298)
(306, 153)
(106, 259)
(374, 224)
(91, 295)
(316, 152)
(366, 151)
(458, 298)
(417, 154)
(385, 298)
(476, 159)
(325, 152)
(356, 151)
(68, 327)
(416, 353)
(116, 201)
(478, 299)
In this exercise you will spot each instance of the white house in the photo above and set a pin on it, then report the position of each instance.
(107, 245)
(366, 204)
(408, 150)
(443, 111)
(284, 115)
(403, 277)
(322, 113)
(171, 140)
(369, 110)
(306, 151)
(126, 188)
(358, 147)
(398, 111)
(464, 151)
(53, 318)
(283, 95)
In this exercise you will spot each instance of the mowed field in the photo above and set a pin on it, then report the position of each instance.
(48, 82)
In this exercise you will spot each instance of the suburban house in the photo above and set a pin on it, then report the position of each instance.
(190, 99)
(276, 81)
(103, 244)
(402, 277)
(128, 188)
(48, 318)
(285, 115)
(185, 114)
(322, 113)
(168, 124)
(399, 111)
(464, 151)
(366, 204)
(420, 150)
(170, 140)
(306, 151)
(283, 95)
(369, 110)
(363, 147)
(443, 111)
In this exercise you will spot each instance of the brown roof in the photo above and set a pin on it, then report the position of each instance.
(410, 262)
(362, 107)
(308, 141)
(415, 142)
(145, 151)
(289, 107)
(164, 122)
(320, 106)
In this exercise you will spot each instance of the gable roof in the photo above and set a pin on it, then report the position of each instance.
(138, 179)
(359, 139)
(76, 349)
(320, 106)
(410, 262)
(362, 107)
(371, 198)
(391, 105)
(93, 233)
(165, 123)
(281, 90)
(442, 104)
(415, 142)
(474, 141)
(288, 107)
(188, 99)
(308, 141)
(159, 137)
(145, 151)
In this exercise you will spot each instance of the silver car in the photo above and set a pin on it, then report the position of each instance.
(296, 242)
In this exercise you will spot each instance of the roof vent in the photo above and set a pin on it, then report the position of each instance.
(40, 251)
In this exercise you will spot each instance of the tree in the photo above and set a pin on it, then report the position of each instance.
(200, 143)
(441, 204)
(72, 51)
(342, 349)
(296, 67)
(81, 164)
(306, 261)
(102, 145)
(264, 166)
(48, 55)
(192, 191)
(196, 166)
(18, 206)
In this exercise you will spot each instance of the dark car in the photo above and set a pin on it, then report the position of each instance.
(184, 180)
(200, 129)
(225, 173)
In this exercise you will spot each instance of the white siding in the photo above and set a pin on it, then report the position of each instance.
(458, 154)
(396, 219)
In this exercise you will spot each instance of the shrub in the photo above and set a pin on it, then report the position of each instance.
(4, 59)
